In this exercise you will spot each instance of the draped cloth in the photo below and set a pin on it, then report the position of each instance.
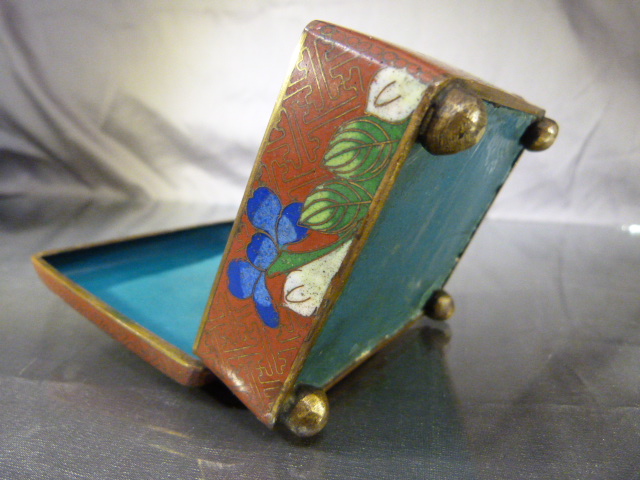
(168, 100)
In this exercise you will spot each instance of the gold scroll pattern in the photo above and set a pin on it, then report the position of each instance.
(328, 87)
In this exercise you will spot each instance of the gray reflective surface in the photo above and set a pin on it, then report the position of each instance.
(541, 377)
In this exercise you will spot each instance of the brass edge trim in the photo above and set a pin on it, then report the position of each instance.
(360, 239)
(485, 90)
(253, 177)
(171, 351)
(494, 95)
(435, 68)
(129, 238)
(366, 356)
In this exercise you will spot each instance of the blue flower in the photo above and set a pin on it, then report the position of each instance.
(279, 228)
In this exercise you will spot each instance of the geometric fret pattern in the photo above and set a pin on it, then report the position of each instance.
(327, 87)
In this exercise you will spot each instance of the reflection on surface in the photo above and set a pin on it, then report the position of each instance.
(548, 327)
(402, 401)
(396, 416)
(540, 378)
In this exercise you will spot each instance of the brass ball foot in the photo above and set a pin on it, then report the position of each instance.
(440, 306)
(540, 135)
(307, 412)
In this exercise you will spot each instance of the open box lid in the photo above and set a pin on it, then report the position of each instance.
(346, 120)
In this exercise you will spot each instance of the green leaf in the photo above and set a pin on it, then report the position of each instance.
(363, 148)
(335, 207)
(359, 154)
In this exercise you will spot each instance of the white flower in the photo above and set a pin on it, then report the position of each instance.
(394, 94)
(305, 287)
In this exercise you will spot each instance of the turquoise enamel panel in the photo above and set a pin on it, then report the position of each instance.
(160, 282)
(435, 206)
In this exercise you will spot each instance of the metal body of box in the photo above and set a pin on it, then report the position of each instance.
(376, 168)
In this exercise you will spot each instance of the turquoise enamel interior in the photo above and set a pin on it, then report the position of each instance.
(161, 282)
(429, 218)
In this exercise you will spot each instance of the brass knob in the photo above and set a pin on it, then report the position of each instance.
(456, 121)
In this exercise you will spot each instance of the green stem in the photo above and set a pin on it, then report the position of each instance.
(288, 261)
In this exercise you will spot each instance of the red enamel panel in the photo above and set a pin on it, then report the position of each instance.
(327, 87)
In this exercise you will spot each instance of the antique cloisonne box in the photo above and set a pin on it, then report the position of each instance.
(375, 170)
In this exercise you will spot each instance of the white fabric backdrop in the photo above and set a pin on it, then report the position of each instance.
(169, 99)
